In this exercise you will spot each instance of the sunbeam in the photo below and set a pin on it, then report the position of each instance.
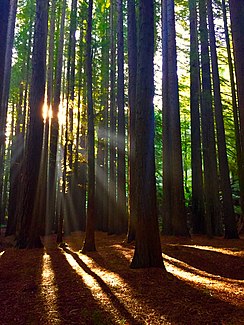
(105, 286)
(49, 291)
(195, 276)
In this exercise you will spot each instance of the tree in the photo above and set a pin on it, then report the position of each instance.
(237, 24)
(132, 63)
(196, 156)
(28, 233)
(89, 244)
(121, 182)
(55, 126)
(112, 128)
(228, 209)
(174, 209)
(4, 92)
(148, 249)
(211, 186)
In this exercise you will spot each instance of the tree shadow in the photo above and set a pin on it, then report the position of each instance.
(105, 288)
(20, 274)
(75, 302)
(164, 293)
(208, 261)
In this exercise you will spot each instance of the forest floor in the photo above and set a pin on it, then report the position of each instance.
(204, 283)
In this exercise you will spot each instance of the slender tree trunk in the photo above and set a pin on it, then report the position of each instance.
(29, 233)
(234, 103)
(174, 185)
(5, 90)
(211, 188)
(148, 249)
(4, 15)
(89, 244)
(196, 157)
(112, 129)
(237, 25)
(167, 221)
(121, 181)
(132, 62)
(54, 124)
(228, 208)
(15, 164)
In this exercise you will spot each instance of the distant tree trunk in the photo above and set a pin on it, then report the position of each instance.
(79, 184)
(196, 157)
(211, 188)
(29, 219)
(89, 244)
(4, 92)
(234, 105)
(102, 175)
(15, 167)
(121, 180)
(167, 221)
(132, 63)
(4, 14)
(228, 208)
(112, 129)
(176, 190)
(237, 24)
(54, 123)
(148, 248)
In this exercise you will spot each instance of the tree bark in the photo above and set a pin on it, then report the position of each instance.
(237, 25)
(29, 219)
(211, 187)
(121, 179)
(228, 208)
(132, 63)
(196, 156)
(89, 244)
(148, 248)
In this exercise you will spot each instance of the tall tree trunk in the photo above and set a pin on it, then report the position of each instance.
(89, 244)
(196, 157)
(148, 248)
(121, 181)
(15, 164)
(176, 190)
(211, 188)
(112, 129)
(4, 15)
(29, 233)
(167, 221)
(55, 124)
(237, 24)
(132, 63)
(228, 208)
(5, 90)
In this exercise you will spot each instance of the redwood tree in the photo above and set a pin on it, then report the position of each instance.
(148, 249)
(89, 244)
(27, 214)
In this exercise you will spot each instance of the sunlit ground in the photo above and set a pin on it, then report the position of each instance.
(49, 291)
(68, 279)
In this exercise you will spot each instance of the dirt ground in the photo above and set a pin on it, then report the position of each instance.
(204, 283)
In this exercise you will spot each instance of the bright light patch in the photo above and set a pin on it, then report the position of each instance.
(49, 291)
(195, 276)
(1, 253)
(213, 249)
(100, 282)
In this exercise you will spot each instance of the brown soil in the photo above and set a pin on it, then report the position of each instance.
(204, 283)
